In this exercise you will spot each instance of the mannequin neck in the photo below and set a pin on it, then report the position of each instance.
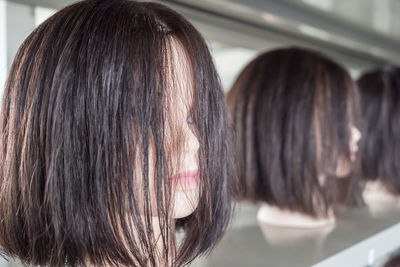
(375, 192)
(274, 216)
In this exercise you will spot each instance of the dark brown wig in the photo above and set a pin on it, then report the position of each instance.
(394, 261)
(292, 111)
(380, 125)
(86, 96)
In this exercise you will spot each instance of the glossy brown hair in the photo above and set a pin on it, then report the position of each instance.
(394, 261)
(380, 125)
(87, 93)
(291, 110)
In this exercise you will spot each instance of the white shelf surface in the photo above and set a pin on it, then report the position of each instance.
(360, 238)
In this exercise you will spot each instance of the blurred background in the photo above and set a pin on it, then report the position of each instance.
(360, 34)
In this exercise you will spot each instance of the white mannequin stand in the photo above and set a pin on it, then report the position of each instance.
(282, 227)
(274, 216)
(378, 199)
(374, 191)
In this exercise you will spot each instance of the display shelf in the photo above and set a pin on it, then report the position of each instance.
(360, 238)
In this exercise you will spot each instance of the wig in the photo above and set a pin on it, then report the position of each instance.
(380, 125)
(394, 261)
(292, 110)
(87, 95)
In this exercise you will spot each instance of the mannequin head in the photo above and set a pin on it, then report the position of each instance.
(113, 131)
(380, 149)
(293, 114)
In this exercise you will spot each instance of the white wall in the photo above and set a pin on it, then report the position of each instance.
(20, 22)
(42, 13)
(16, 23)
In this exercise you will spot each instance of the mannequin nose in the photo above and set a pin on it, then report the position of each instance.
(192, 143)
(356, 134)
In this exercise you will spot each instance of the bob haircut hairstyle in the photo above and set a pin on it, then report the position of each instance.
(394, 261)
(292, 111)
(87, 91)
(380, 125)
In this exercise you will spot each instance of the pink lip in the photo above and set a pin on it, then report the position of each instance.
(353, 155)
(186, 179)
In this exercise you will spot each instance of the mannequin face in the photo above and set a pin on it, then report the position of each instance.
(344, 167)
(179, 132)
(185, 180)
(355, 138)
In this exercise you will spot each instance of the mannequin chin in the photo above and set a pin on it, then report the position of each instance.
(185, 203)
(274, 216)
